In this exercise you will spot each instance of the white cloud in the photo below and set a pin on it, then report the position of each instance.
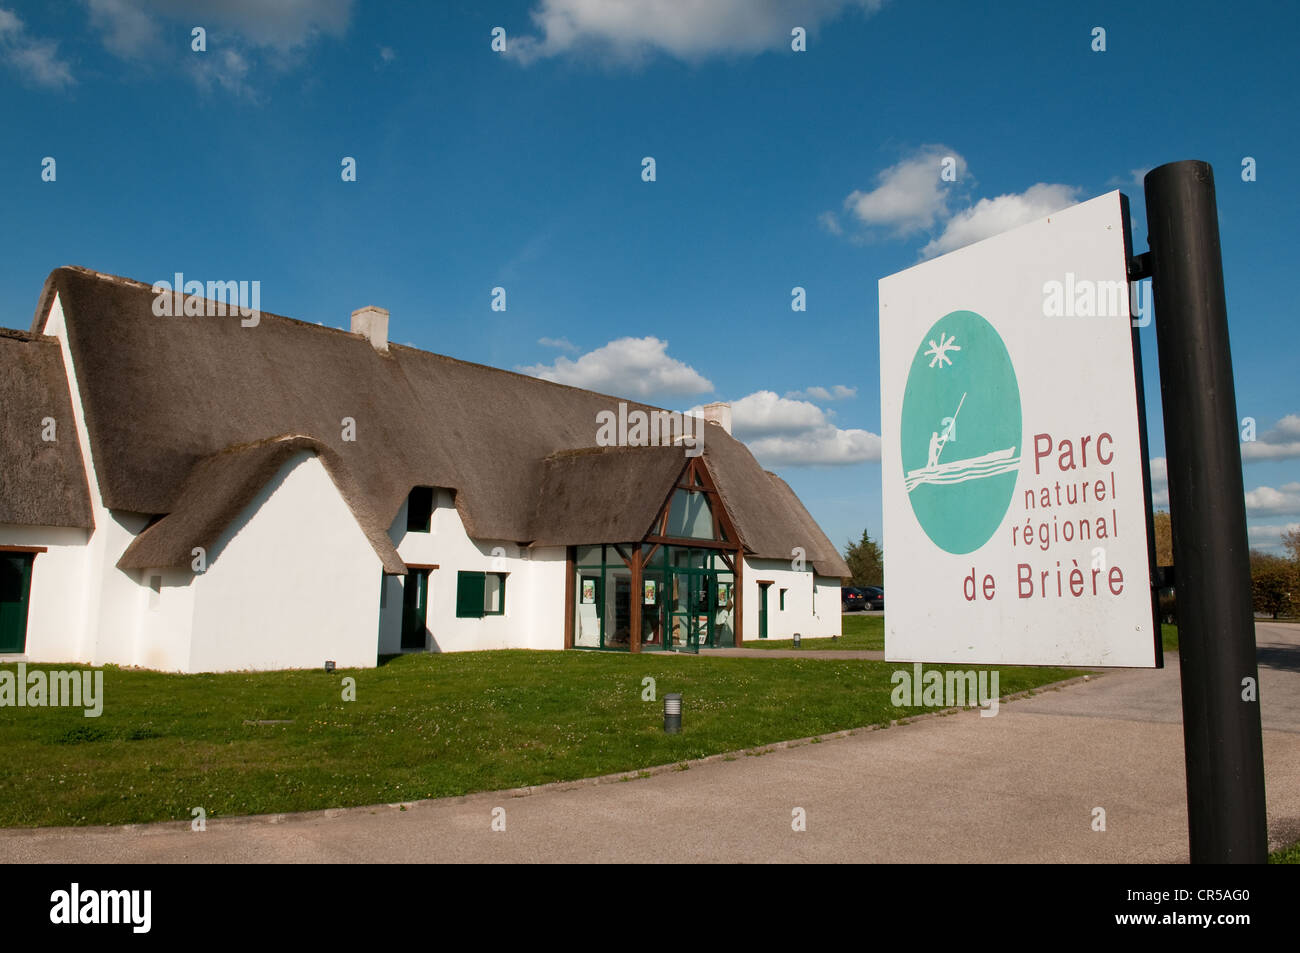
(989, 217)
(226, 68)
(241, 35)
(36, 61)
(283, 26)
(780, 431)
(1268, 538)
(630, 30)
(1280, 443)
(909, 196)
(1159, 481)
(1135, 178)
(127, 30)
(830, 223)
(632, 367)
(836, 392)
(1274, 531)
(827, 446)
(1267, 499)
(564, 344)
(763, 413)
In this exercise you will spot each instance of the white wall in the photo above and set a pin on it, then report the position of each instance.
(799, 615)
(109, 601)
(534, 606)
(291, 582)
(55, 600)
(165, 620)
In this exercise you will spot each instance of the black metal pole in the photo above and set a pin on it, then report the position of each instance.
(1216, 626)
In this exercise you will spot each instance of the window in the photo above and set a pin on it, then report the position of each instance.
(783, 592)
(689, 516)
(419, 510)
(479, 594)
(494, 594)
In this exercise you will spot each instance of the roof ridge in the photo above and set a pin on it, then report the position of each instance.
(91, 273)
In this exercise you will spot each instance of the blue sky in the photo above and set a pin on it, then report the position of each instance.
(774, 169)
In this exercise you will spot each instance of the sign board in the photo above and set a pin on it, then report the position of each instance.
(1015, 514)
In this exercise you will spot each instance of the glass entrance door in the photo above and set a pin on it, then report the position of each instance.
(692, 604)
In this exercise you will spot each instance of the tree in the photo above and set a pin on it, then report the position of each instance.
(1164, 538)
(1273, 583)
(1291, 543)
(866, 562)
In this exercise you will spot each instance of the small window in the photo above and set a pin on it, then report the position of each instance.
(494, 594)
(783, 600)
(419, 510)
(479, 594)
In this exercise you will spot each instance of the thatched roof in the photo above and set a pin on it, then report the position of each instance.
(603, 494)
(222, 485)
(163, 394)
(42, 482)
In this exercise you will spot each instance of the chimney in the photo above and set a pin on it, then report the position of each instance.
(372, 322)
(719, 414)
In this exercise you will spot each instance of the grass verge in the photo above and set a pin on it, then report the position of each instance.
(421, 726)
(1286, 855)
(868, 632)
(858, 632)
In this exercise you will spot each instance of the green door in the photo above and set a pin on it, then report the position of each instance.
(762, 610)
(693, 603)
(15, 586)
(415, 608)
(705, 587)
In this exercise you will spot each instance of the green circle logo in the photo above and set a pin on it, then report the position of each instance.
(960, 433)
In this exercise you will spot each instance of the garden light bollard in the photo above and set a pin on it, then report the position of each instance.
(796, 640)
(673, 714)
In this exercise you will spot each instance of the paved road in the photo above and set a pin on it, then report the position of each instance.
(1022, 786)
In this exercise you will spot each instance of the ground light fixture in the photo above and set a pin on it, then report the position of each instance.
(329, 665)
(673, 714)
(796, 640)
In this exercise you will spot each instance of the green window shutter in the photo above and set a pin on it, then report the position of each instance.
(469, 595)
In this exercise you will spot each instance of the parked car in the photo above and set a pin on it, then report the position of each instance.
(873, 597)
(852, 599)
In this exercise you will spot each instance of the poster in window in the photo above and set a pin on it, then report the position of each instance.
(588, 591)
(651, 591)
(723, 593)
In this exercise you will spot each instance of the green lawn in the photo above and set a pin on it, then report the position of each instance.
(422, 726)
(868, 632)
(858, 632)
(1286, 855)
(1169, 636)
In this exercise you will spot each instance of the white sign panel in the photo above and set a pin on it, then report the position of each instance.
(1015, 526)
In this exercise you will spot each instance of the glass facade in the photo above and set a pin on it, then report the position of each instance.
(687, 598)
(679, 591)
